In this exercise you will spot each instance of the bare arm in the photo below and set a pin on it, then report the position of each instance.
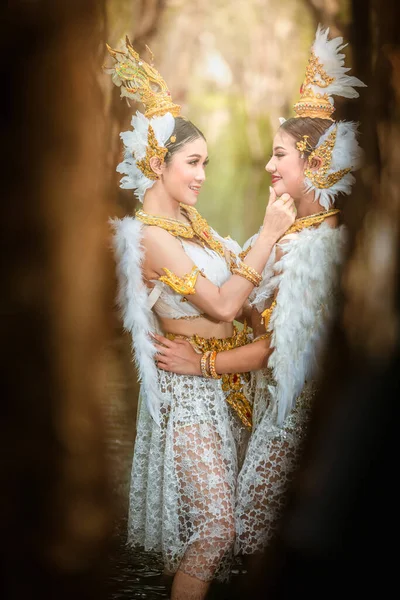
(179, 356)
(245, 313)
(251, 357)
(222, 303)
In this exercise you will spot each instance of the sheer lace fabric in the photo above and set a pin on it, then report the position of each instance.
(271, 459)
(184, 477)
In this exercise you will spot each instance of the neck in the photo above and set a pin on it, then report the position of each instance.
(306, 205)
(157, 202)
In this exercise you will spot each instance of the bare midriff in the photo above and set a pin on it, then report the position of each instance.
(202, 326)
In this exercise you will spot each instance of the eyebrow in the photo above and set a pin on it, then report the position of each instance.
(279, 148)
(195, 156)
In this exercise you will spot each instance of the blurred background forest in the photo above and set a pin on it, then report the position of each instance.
(67, 425)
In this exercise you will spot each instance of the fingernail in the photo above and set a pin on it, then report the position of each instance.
(270, 189)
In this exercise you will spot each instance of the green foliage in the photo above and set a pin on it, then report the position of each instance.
(236, 190)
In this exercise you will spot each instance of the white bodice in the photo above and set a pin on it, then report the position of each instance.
(169, 304)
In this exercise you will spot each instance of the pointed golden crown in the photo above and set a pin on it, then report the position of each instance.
(313, 104)
(141, 81)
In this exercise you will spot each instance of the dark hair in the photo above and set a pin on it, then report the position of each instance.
(184, 131)
(313, 127)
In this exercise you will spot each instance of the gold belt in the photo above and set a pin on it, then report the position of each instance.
(232, 383)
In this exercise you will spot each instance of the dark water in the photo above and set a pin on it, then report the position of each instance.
(135, 575)
(138, 575)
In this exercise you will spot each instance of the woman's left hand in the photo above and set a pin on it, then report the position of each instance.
(177, 356)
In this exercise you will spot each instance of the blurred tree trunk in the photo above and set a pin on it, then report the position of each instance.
(55, 508)
(138, 21)
(330, 13)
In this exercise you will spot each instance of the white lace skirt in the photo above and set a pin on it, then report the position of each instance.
(271, 460)
(184, 476)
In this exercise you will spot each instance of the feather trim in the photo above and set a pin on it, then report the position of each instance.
(329, 53)
(307, 282)
(135, 144)
(346, 153)
(138, 319)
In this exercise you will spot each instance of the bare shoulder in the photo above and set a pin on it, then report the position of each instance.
(157, 237)
(332, 221)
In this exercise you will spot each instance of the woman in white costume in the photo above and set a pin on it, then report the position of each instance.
(179, 277)
(313, 158)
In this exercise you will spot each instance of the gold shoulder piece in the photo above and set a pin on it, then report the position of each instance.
(182, 285)
(267, 314)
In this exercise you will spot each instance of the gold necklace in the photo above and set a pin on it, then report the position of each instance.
(198, 227)
(173, 226)
(311, 220)
(300, 224)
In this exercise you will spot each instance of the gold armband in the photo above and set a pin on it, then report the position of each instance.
(267, 314)
(182, 285)
(244, 270)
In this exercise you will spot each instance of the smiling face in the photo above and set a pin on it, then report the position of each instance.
(286, 166)
(184, 174)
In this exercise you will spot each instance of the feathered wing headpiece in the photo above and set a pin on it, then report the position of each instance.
(338, 149)
(140, 81)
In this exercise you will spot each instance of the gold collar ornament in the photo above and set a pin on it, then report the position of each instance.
(311, 220)
(197, 228)
(302, 223)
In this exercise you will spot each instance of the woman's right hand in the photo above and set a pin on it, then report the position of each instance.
(176, 356)
(279, 216)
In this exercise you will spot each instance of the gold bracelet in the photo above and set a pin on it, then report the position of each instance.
(212, 359)
(203, 364)
(263, 336)
(244, 270)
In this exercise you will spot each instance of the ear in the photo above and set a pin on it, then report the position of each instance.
(157, 165)
(315, 163)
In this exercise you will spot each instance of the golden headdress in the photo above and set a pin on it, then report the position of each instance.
(142, 82)
(338, 148)
(152, 130)
(326, 76)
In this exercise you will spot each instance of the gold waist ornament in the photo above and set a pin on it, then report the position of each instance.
(232, 383)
